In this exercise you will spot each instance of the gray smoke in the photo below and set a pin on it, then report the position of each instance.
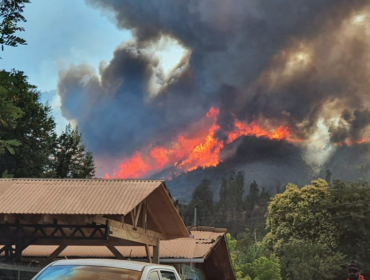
(280, 62)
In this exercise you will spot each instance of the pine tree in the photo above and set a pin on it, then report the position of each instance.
(71, 160)
(34, 130)
(252, 197)
(203, 198)
(8, 116)
(223, 195)
(236, 191)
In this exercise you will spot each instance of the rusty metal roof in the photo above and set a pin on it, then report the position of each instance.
(182, 248)
(73, 196)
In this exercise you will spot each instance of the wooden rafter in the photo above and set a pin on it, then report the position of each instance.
(137, 214)
(131, 233)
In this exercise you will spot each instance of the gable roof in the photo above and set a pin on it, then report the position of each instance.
(73, 196)
(91, 197)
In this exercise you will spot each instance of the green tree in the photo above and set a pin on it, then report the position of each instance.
(301, 214)
(35, 129)
(202, 197)
(263, 268)
(305, 260)
(236, 192)
(350, 211)
(11, 15)
(222, 205)
(71, 160)
(252, 197)
(223, 195)
(328, 176)
(244, 252)
(336, 218)
(8, 117)
(264, 195)
(231, 244)
(245, 240)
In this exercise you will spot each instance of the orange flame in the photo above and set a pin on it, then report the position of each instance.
(134, 167)
(189, 153)
(205, 154)
(281, 133)
(353, 142)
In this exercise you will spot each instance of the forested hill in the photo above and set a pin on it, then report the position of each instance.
(306, 232)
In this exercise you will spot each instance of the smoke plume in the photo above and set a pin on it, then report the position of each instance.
(299, 65)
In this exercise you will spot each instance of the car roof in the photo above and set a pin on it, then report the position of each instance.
(138, 266)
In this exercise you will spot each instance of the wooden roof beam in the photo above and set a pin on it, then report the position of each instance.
(54, 254)
(115, 252)
(129, 232)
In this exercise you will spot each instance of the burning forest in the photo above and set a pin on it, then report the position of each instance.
(281, 98)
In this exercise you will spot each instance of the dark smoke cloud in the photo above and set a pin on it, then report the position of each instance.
(236, 47)
(357, 122)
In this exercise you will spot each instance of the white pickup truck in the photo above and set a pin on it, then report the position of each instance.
(94, 269)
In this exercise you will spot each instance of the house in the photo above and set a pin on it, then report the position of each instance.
(204, 254)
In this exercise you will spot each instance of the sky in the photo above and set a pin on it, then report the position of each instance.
(60, 33)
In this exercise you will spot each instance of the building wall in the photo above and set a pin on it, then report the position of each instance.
(218, 265)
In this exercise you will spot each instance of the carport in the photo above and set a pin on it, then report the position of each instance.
(86, 212)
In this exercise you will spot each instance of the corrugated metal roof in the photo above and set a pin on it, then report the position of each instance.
(186, 248)
(73, 196)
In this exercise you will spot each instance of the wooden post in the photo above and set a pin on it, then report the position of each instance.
(148, 253)
(156, 252)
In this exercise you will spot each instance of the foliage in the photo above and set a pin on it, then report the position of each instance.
(251, 261)
(222, 204)
(11, 15)
(236, 191)
(336, 218)
(313, 231)
(301, 214)
(350, 212)
(35, 129)
(8, 116)
(232, 245)
(263, 268)
(232, 210)
(8, 145)
(305, 260)
(202, 198)
(246, 239)
(70, 159)
(6, 174)
(252, 197)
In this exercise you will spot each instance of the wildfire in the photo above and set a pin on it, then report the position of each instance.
(189, 153)
(281, 133)
(205, 154)
(351, 143)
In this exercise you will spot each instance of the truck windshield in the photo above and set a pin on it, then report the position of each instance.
(79, 272)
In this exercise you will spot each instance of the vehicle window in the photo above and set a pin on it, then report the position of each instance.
(78, 272)
(167, 275)
(153, 276)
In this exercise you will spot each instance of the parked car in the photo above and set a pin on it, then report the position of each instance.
(95, 269)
